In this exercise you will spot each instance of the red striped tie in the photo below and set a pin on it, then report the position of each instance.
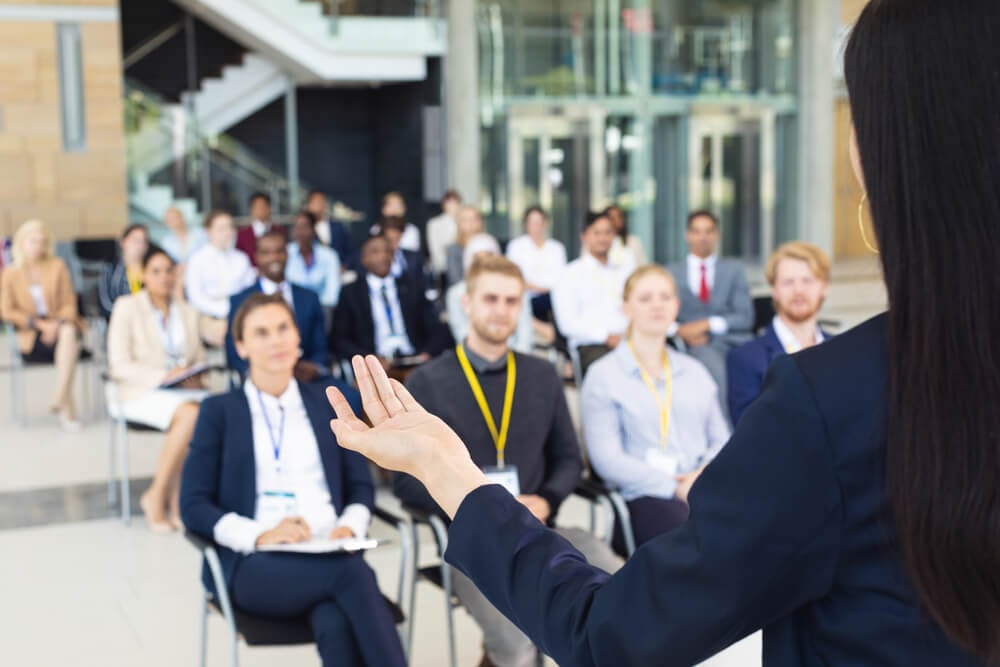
(704, 293)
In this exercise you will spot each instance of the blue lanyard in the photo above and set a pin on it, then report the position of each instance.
(275, 441)
(384, 293)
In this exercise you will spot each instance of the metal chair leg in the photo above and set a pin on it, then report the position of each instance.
(124, 472)
(112, 470)
(446, 582)
(203, 648)
(405, 568)
(415, 567)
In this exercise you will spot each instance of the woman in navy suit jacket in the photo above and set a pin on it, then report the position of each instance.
(264, 470)
(855, 514)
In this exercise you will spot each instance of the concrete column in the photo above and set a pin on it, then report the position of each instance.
(818, 21)
(291, 143)
(461, 76)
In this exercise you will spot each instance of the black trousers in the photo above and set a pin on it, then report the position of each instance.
(651, 517)
(338, 592)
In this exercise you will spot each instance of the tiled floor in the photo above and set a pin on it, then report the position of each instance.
(88, 590)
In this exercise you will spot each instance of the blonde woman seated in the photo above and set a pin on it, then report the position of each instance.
(37, 297)
(265, 470)
(651, 416)
(484, 245)
(153, 342)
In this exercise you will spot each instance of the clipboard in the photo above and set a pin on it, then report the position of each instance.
(324, 546)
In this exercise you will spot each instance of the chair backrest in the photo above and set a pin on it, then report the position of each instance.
(97, 250)
(763, 313)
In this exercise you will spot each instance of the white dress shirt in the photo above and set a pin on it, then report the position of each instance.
(213, 276)
(269, 287)
(717, 325)
(441, 233)
(410, 240)
(788, 339)
(172, 335)
(587, 301)
(541, 265)
(301, 472)
(389, 338)
(323, 231)
(260, 228)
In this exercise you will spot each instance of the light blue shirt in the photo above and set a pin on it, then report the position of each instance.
(322, 277)
(621, 422)
(196, 238)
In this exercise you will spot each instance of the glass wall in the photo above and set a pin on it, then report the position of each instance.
(669, 105)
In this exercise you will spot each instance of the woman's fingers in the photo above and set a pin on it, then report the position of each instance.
(390, 402)
(340, 406)
(369, 394)
(405, 397)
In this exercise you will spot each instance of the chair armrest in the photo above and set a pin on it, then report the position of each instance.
(198, 542)
(417, 515)
(590, 490)
(387, 517)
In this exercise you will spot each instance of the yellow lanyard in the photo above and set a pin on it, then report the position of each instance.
(499, 438)
(668, 394)
(134, 280)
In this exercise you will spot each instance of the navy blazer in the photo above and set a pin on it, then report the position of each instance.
(746, 367)
(220, 472)
(353, 330)
(789, 532)
(341, 241)
(308, 318)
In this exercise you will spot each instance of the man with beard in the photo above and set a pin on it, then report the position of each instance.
(271, 258)
(510, 411)
(799, 275)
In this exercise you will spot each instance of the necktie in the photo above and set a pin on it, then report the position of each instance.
(704, 293)
(388, 310)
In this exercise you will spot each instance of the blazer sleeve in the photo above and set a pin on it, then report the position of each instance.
(233, 359)
(200, 475)
(314, 335)
(740, 305)
(437, 337)
(563, 464)
(9, 310)
(744, 376)
(121, 363)
(734, 567)
(106, 292)
(345, 335)
(65, 307)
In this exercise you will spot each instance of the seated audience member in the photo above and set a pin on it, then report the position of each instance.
(335, 235)
(272, 258)
(394, 206)
(650, 415)
(379, 315)
(181, 241)
(716, 311)
(406, 264)
(37, 297)
(260, 224)
(215, 272)
(311, 264)
(519, 431)
(479, 246)
(799, 276)
(540, 258)
(125, 277)
(441, 231)
(627, 248)
(587, 299)
(153, 342)
(470, 223)
(264, 469)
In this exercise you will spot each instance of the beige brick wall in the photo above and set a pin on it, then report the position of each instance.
(76, 194)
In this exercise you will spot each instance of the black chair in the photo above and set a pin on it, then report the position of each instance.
(763, 313)
(262, 631)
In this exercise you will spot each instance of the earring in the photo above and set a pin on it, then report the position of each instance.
(861, 222)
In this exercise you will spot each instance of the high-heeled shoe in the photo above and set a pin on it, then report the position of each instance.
(161, 526)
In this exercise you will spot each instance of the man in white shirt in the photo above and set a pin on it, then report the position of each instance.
(716, 311)
(441, 231)
(541, 260)
(799, 275)
(587, 300)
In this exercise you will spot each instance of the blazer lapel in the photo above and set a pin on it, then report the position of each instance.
(721, 287)
(242, 442)
(320, 414)
(366, 319)
(773, 344)
(148, 322)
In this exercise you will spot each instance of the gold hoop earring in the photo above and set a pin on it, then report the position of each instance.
(861, 223)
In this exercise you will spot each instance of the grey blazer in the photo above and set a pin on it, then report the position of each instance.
(730, 299)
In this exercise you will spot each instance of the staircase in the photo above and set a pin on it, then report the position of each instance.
(318, 49)
(241, 91)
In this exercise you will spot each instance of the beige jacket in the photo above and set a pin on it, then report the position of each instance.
(17, 306)
(136, 358)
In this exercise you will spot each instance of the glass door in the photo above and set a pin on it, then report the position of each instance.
(731, 172)
(556, 162)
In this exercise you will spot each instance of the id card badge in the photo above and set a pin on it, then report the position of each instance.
(273, 506)
(505, 477)
(657, 459)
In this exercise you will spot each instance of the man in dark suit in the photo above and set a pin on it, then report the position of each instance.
(331, 233)
(260, 216)
(407, 265)
(799, 275)
(716, 311)
(380, 315)
(272, 256)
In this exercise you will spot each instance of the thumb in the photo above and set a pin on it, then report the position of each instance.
(348, 437)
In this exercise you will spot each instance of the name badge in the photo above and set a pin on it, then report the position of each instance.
(395, 343)
(273, 506)
(505, 477)
(661, 461)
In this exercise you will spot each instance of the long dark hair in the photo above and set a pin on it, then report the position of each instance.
(924, 84)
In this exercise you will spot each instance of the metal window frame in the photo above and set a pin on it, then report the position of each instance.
(72, 105)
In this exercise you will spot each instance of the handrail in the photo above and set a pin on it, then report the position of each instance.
(152, 43)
